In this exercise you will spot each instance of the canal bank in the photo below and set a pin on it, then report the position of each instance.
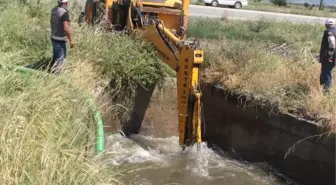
(296, 148)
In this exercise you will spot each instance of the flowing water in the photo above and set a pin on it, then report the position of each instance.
(160, 161)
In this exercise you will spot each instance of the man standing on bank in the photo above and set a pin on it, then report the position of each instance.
(60, 34)
(328, 54)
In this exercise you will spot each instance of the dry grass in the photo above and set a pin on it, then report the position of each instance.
(243, 60)
(46, 133)
(291, 9)
(298, 36)
(45, 123)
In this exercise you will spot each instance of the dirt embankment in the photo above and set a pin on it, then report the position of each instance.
(152, 111)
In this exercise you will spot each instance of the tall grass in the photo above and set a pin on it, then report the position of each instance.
(46, 133)
(251, 57)
(291, 9)
(45, 124)
(298, 35)
(23, 35)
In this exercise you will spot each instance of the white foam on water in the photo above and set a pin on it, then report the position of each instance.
(166, 146)
(125, 150)
(199, 164)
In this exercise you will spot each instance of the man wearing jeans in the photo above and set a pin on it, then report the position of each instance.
(60, 33)
(328, 54)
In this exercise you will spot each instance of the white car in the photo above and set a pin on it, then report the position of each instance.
(233, 3)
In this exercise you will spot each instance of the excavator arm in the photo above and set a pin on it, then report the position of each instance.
(185, 59)
(146, 19)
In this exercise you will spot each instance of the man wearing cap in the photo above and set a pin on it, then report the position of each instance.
(60, 34)
(328, 54)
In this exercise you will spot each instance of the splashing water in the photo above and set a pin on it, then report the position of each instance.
(160, 161)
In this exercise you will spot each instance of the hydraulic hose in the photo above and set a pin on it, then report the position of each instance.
(96, 113)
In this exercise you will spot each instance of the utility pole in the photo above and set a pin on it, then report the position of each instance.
(321, 4)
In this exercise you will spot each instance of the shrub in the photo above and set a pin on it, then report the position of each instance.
(279, 2)
(307, 5)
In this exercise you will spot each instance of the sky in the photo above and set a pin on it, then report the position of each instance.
(327, 2)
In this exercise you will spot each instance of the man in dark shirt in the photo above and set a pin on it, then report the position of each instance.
(60, 34)
(328, 54)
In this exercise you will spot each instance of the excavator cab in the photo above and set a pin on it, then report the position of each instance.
(119, 13)
(162, 23)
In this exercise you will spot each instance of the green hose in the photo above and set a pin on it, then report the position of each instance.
(97, 115)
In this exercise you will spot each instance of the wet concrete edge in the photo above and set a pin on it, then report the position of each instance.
(257, 135)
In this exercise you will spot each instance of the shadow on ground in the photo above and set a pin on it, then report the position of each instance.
(41, 65)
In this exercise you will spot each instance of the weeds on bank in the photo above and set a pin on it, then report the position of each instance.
(113, 55)
(46, 133)
(46, 126)
(261, 30)
(269, 61)
(23, 39)
(45, 123)
(118, 57)
(291, 9)
(109, 55)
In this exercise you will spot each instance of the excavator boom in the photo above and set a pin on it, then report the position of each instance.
(164, 24)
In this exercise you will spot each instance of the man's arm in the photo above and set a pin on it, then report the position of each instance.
(66, 25)
(321, 49)
(332, 45)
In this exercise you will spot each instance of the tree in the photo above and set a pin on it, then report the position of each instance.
(307, 5)
(279, 2)
(321, 5)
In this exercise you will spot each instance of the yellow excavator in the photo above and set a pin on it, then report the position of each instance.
(162, 23)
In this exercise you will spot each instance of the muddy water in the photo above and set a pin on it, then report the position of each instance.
(160, 161)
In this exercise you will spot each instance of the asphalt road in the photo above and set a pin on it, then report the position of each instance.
(230, 13)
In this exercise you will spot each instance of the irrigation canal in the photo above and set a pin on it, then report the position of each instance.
(160, 161)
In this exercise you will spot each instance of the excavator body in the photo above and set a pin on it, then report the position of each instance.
(163, 23)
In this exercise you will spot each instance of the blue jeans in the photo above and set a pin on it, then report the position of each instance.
(59, 56)
(326, 74)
